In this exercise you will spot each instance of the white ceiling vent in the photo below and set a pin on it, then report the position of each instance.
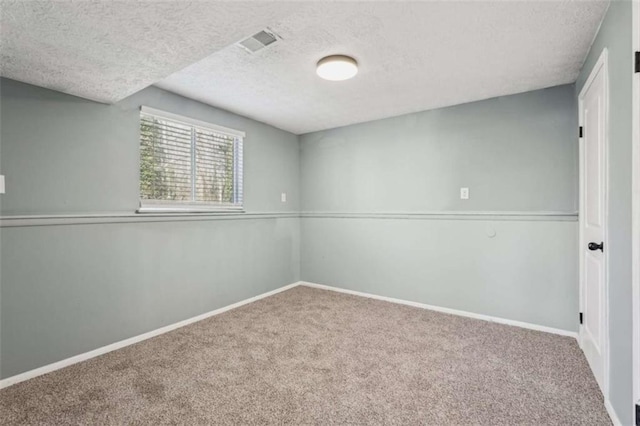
(259, 41)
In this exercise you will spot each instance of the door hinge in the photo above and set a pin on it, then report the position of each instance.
(637, 62)
(581, 131)
(580, 317)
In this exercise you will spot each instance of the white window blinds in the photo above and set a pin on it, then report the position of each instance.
(188, 165)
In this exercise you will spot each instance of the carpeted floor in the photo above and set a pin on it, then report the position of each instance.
(308, 356)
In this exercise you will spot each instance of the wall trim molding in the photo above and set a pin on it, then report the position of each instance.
(107, 218)
(457, 312)
(612, 413)
(27, 375)
(569, 216)
(132, 340)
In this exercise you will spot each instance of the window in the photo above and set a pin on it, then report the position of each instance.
(188, 165)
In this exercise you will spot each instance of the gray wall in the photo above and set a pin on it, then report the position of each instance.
(515, 153)
(615, 34)
(370, 193)
(67, 289)
(63, 154)
(381, 207)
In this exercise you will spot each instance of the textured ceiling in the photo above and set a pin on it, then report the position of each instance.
(106, 50)
(413, 55)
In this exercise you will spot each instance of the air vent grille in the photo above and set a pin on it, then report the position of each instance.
(259, 41)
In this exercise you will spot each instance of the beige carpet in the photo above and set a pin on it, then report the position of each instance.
(310, 356)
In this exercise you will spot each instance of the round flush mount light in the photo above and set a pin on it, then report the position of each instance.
(337, 68)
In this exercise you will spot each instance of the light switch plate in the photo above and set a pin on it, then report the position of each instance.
(464, 193)
(1, 184)
(283, 197)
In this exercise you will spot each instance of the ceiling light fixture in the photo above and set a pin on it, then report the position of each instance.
(337, 68)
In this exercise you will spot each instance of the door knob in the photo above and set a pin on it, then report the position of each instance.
(594, 246)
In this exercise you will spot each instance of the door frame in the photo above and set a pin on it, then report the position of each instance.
(602, 63)
(635, 212)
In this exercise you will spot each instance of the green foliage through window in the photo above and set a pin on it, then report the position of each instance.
(180, 163)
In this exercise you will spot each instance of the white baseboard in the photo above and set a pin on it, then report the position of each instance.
(448, 310)
(612, 413)
(121, 344)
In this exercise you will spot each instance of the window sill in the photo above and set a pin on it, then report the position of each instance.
(189, 210)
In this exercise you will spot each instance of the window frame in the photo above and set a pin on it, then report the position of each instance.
(168, 206)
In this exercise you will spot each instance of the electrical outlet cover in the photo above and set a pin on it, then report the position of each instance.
(464, 193)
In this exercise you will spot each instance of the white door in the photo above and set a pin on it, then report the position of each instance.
(593, 103)
(635, 245)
